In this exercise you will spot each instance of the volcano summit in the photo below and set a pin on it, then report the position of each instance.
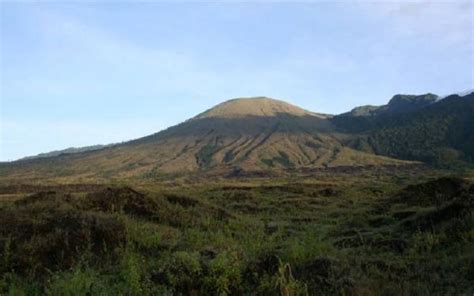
(260, 133)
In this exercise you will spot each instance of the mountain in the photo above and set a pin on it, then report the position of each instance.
(440, 133)
(398, 104)
(69, 150)
(263, 134)
(250, 134)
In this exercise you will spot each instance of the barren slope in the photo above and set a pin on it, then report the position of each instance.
(251, 134)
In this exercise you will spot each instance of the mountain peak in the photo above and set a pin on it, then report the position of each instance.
(254, 106)
(403, 103)
(399, 103)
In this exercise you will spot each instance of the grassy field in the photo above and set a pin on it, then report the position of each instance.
(354, 232)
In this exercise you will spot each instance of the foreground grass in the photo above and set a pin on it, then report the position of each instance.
(331, 236)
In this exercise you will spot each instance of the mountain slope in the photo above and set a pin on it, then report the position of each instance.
(397, 105)
(440, 133)
(70, 150)
(250, 134)
(256, 106)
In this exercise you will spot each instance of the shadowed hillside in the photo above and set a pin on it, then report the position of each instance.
(251, 134)
(439, 133)
(262, 134)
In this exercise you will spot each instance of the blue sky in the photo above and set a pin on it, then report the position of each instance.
(76, 74)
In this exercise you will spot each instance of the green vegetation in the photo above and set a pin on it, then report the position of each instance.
(282, 159)
(204, 155)
(441, 134)
(398, 104)
(368, 233)
(275, 201)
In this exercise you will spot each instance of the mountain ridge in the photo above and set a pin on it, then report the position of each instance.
(399, 103)
(440, 133)
(269, 135)
(281, 108)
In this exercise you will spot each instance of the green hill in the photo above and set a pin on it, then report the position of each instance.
(397, 105)
(440, 133)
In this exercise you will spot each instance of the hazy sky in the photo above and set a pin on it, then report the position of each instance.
(77, 74)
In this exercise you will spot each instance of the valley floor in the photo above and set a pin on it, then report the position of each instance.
(367, 232)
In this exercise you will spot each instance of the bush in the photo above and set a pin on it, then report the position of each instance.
(287, 284)
(183, 272)
(121, 200)
(79, 281)
(131, 272)
(42, 237)
(224, 274)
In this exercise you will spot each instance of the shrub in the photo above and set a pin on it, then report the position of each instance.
(79, 281)
(131, 272)
(287, 284)
(48, 238)
(121, 200)
(183, 271)
(224, 274)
